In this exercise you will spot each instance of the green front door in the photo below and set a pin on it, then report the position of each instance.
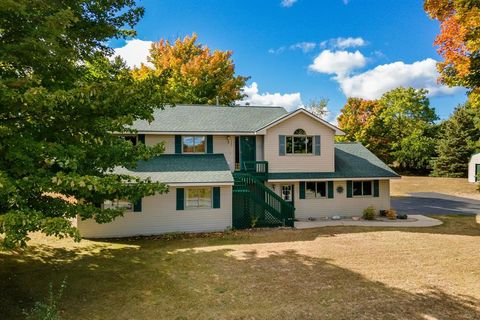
(247, 149)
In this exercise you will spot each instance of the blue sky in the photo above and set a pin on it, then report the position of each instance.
(295, 51)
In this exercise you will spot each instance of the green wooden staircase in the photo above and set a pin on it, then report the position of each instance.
(255, 205)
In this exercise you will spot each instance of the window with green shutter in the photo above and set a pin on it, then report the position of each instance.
(281, 145)
(216, 197)
(178, 144)
(349, 188)
(330, 190)
(302, 190)
(180, 199)
(210, 144)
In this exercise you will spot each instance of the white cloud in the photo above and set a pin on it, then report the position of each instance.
(289, 101)
(373, 83)
(304, 46)
(134, 52)
(287, 3)
(343, 43)
(337, 62)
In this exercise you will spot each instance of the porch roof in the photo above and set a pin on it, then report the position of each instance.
(183, 169)
(352, 161)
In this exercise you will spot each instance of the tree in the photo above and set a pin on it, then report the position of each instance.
(61, 100)
(318, 107)
(456, 144)
(458, 43)
(398, 128)
(194, 74)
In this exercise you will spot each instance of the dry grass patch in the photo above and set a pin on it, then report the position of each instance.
(325, 273)
(452, 186)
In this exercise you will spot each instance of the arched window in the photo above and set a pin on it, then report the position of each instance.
(299, 143)
(300, 132)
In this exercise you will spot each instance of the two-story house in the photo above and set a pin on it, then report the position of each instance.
(246, 166)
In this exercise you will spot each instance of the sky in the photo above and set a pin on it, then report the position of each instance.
(295, 51)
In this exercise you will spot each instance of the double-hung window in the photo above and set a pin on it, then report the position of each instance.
(299, 143)
(194, 144)
(118, 204)
(362, 188)
(198, 198)
(315, 189)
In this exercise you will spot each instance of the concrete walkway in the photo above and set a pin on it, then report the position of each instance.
(414, 221)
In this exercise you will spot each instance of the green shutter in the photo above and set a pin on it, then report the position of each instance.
(281, 145)
(330, 189)
(178, 144)
(216, 197)
(376, 188)
(317, 145)
(302, 189)
(137, 206)
(141, 138)
(477, 172)
(180, 198)
(210, 144)
(349, 188)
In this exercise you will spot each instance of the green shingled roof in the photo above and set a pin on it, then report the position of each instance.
(191, 168)
(199, 118)
(352, 160)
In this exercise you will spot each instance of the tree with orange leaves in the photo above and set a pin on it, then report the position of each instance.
(193, 73)
(458, 43)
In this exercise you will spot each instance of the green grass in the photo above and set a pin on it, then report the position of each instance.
(325, 273)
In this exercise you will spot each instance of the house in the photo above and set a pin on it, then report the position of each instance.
(474, 168)
(243, 167)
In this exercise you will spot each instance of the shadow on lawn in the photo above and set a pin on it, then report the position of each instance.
(452, 225)
(152, 283)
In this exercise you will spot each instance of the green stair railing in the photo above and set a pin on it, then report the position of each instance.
(257, 205)
(258, 169)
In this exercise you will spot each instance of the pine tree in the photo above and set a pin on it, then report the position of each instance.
(456, 144)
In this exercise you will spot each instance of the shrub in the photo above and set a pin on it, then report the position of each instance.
(369, 213)
(391, 214)
(402, 216)
(47, 309)
(383, 213)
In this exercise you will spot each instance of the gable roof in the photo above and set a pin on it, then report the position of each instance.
(306, 112)
(183, 169)
(352, 161)
(206, 118)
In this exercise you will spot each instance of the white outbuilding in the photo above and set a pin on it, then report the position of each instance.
(474, 168)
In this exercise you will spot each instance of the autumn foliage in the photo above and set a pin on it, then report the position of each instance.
(458, 42)
(194, 73)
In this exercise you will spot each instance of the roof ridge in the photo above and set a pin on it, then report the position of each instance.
(224, 106)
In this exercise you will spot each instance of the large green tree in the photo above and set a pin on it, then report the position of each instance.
(194, 73)
(399, 127)
(456, 143)
(61, 99)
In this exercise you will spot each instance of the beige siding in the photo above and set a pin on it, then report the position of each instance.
(300, 163)
(340, 204)
(169, 141)
(159, 216)
(222, 144)
(259, 145)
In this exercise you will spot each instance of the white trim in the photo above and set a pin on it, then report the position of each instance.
(201, 133)
(263, 129)
(332, 179)
(198, 184)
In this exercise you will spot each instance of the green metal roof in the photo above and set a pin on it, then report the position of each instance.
(203, 118)
(352, 160)
(184, 168)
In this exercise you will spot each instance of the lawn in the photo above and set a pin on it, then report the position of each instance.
(326, 273)
(452, 186)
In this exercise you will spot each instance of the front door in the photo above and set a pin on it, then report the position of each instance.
(288, 193)
(247, 149)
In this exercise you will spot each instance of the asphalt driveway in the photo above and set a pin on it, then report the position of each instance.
(435, 203)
